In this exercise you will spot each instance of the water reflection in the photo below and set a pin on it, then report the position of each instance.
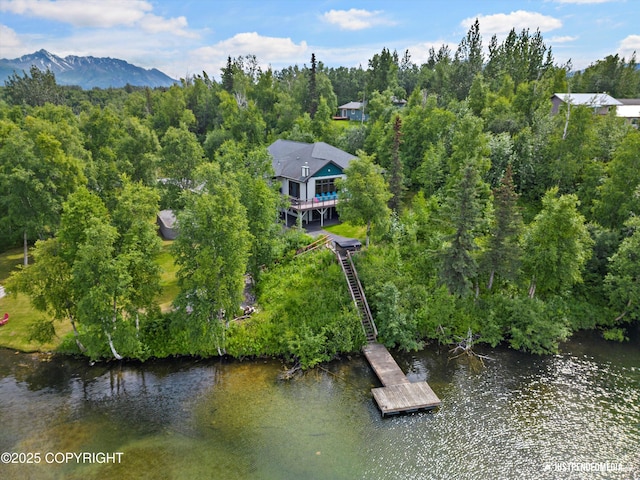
(516, 418)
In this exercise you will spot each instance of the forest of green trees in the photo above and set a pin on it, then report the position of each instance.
(496, 217)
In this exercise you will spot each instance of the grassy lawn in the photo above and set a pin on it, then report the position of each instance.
(8, 261)
(344, 124)
(347, 230)
(15, 334)
(168, 280)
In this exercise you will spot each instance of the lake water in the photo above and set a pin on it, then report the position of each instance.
(520, 417)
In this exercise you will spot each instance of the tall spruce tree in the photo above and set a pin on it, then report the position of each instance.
(468, 61)
(313, 89)
(396, 177)
(503, 251)
(464, 210)
(227, 76)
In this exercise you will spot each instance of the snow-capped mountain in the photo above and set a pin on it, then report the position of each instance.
(87, 72)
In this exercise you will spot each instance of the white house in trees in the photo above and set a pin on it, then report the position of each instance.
(599, 102)
(307, 173)
(630, 110)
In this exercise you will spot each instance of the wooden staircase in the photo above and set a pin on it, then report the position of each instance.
(357, 294)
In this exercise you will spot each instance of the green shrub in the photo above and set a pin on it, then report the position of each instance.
(537, 326)
(306, 313)
(615, 334)
(396, 327)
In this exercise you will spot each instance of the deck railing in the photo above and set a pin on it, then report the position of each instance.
(316, 202)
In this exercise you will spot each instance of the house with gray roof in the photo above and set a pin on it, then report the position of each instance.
(353, 111)
(356, 110)
(307, 173)
(599, 102)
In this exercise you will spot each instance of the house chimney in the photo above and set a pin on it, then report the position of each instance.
(305, 169)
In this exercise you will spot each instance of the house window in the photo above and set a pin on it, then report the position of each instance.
(294, 189)
(325, 185)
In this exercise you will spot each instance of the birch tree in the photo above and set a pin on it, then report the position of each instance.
(99, 272)
(364, 194)
(556, 245)
(212, 252)
(36, 176)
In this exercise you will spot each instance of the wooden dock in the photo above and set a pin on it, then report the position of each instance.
(398, 394)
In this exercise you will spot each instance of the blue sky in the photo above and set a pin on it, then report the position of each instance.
(184, 37)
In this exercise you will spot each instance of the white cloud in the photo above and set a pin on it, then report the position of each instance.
(268, 48)
(82, 13)
(178, 26)
(356, 19)
(563, 39)
(356, 56)
(501, 23)
(420, 51)
(11, 44)
(629, 45)
(99, 14)
(268, 51)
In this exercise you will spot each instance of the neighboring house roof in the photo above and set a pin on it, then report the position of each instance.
(167, 222)
(289, 157)
(167, 217)
(629, 101)
(353, 106)
(588, 99)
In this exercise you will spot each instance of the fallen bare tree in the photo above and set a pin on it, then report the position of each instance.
(289, 373)
(465, 347)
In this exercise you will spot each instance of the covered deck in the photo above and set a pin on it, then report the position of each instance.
(303, 210)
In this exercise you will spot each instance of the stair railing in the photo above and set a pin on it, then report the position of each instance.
(364, 298)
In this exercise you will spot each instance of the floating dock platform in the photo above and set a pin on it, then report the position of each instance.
(398, 394)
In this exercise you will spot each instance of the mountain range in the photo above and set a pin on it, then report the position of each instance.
(86, 72)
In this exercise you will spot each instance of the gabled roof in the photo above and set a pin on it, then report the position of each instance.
(352, 106)
(588, 99)
(289, 157)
